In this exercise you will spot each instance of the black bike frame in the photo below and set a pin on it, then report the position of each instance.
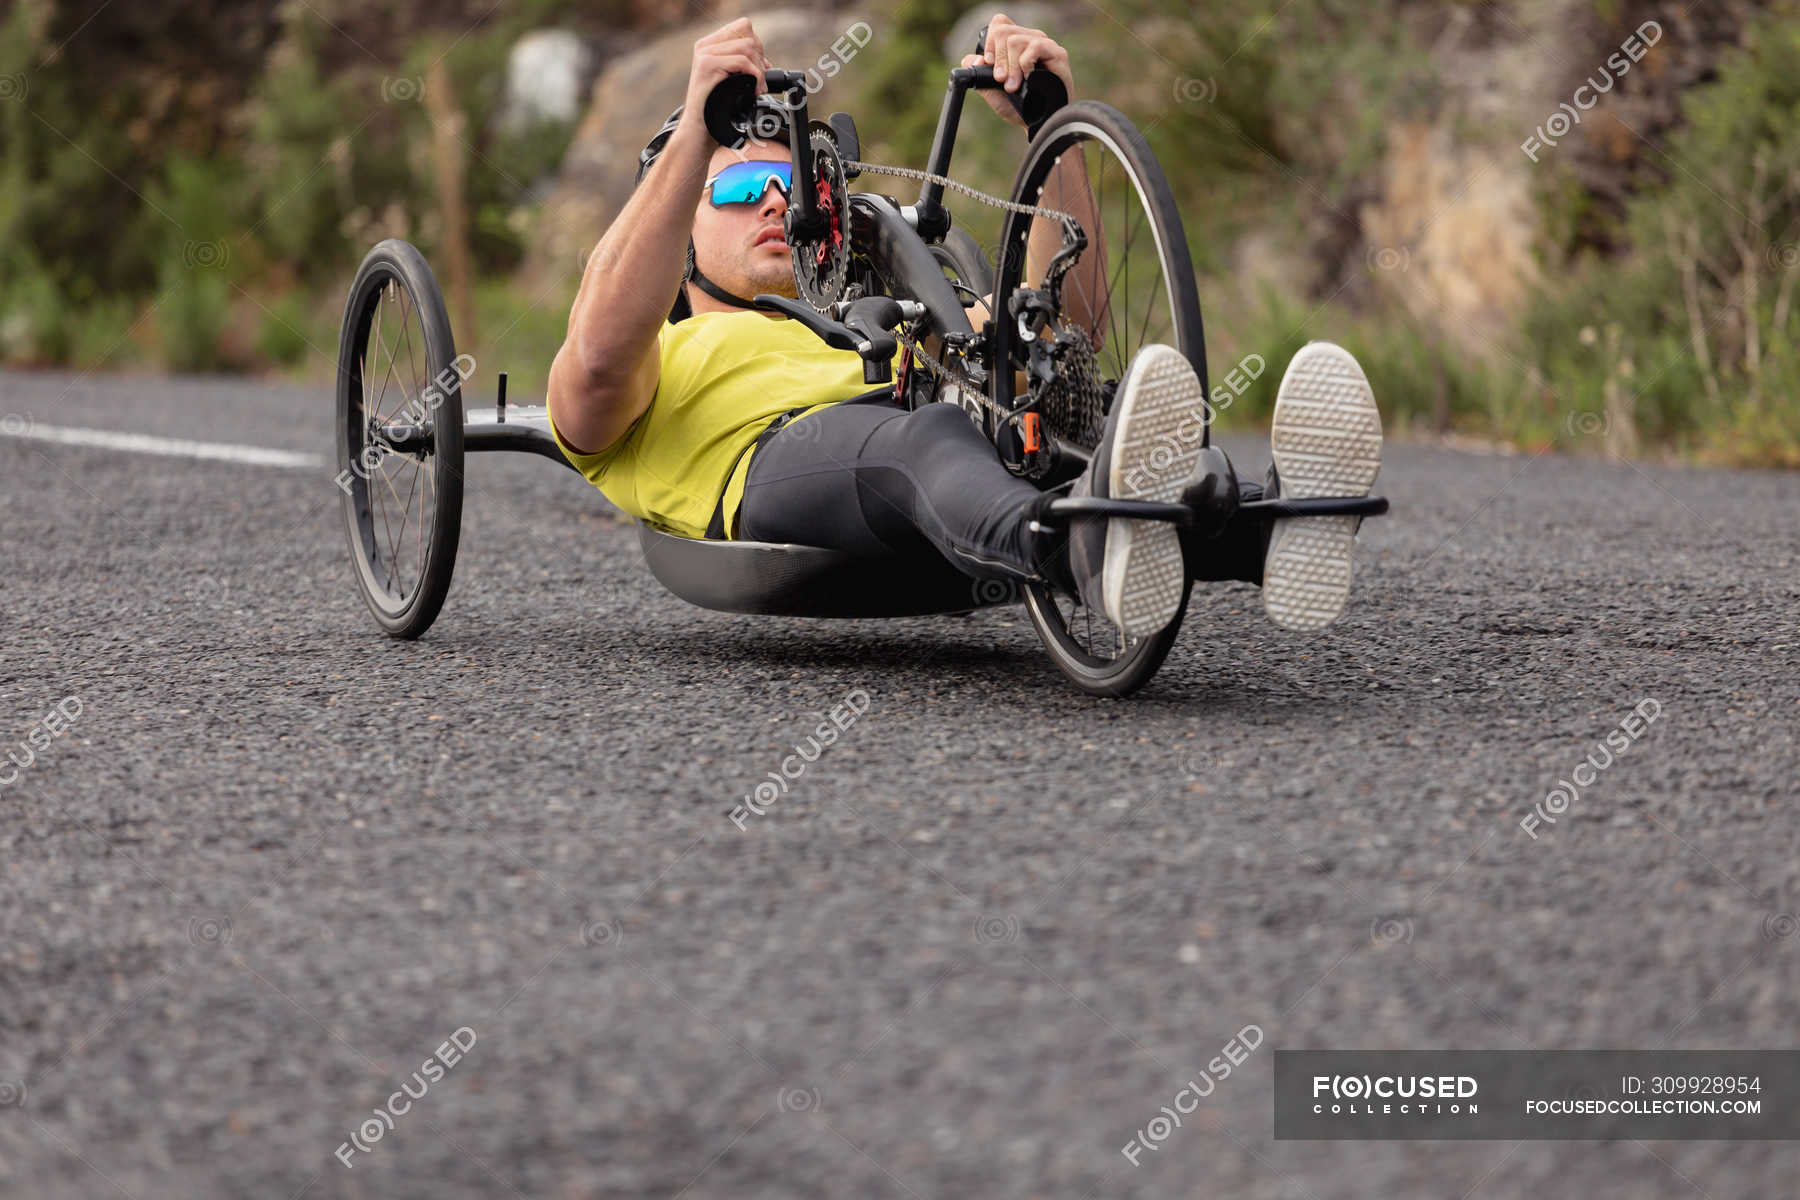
(1041, 94)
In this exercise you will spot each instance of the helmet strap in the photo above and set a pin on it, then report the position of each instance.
(712, 289)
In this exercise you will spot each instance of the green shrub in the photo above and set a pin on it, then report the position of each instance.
(283, 337)
(33, 312)
(103, 333)
(1688, 318)
(1419, 379)
(202, 207)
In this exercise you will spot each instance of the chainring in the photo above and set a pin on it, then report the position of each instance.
(822, 263)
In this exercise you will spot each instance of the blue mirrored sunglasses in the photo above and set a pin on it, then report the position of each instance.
(748, 182)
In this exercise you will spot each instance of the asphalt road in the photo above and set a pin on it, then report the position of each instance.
(276, 861)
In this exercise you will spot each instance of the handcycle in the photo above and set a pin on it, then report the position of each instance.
(874, 276)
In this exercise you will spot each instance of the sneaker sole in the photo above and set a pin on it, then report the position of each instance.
(1326, 439)
(1155, 445)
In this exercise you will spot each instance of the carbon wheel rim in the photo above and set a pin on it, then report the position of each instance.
(393, 494)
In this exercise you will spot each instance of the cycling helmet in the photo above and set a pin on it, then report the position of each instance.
(655, 146)
(691, 272)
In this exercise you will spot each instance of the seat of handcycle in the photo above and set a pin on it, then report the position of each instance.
(788, 580)
(767, 578)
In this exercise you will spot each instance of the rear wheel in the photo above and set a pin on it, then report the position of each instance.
(966, 264)
(1148, 297)
(400, 438)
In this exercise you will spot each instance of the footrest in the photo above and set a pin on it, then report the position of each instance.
(1101, 506)
(1321, 506)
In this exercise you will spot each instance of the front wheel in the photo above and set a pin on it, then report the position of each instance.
(400, 438)
(1139, 289)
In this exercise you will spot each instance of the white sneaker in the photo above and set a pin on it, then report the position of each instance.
(1326, 439)
(1130, 570)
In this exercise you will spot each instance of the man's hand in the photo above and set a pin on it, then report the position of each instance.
(1014, 51)
(732, 50)
(606, 374)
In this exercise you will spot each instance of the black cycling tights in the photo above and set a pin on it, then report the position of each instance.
(869, 478)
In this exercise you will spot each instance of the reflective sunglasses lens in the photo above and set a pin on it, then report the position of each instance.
(746, 183)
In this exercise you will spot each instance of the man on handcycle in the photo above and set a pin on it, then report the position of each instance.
(689, 408)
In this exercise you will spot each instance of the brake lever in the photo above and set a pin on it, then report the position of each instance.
(863, 326)
(833, 333)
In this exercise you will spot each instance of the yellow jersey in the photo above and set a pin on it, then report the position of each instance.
(725, 377)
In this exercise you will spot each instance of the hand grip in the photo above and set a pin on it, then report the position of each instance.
(872, 317)
(1040, 93)
(730, 108)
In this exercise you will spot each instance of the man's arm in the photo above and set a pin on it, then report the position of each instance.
(605, 374)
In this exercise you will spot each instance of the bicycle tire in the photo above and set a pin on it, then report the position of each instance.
(1119, 141)
(963, 256)
(403, 602)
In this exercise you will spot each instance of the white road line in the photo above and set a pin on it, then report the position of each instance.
(143, 443)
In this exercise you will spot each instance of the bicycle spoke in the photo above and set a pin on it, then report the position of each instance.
(390, 367)
(416, 388)
(406, 521)
(1144, 337)
(399, 413)
(1081, 282)
(1113, 276)
(1124, 350)
(386, 524)
(393, 349)
(395, 541)
(406, 329)
(369, 357)
(1130, 236)
(1126, 255)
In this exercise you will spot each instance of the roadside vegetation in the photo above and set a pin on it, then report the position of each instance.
(211, 222)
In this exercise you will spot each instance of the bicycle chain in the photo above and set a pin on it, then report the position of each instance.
(965, 383)
(945, 181)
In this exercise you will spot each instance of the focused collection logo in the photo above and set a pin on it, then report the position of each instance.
(1387, 1095)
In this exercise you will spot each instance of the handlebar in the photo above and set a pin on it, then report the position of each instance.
(732, 106)
(861, 325)
(1038, 97)
(1040, 93)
